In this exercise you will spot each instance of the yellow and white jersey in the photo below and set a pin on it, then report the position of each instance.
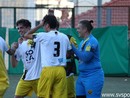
(54, 46)
(28, 52)
(3, 48)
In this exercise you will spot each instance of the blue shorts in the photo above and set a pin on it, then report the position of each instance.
(90, 86)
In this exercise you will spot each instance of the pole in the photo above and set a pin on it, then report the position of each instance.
(14, 17)
(99, 13)
(0, 18)
(73, 18)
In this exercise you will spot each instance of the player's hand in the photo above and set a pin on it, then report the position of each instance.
(20, 40)
(73, 41)
(14, 46)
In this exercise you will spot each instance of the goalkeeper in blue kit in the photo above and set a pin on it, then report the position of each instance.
(91, 76)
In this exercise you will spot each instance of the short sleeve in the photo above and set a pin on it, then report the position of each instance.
(5, 45)
(38, 36)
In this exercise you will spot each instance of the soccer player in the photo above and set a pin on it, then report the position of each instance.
(91, 76)
(4, 81)
(54, 46)
(28, 52)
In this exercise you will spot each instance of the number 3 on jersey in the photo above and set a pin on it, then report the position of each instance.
(56, 49)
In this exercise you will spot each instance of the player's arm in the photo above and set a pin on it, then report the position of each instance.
(29, 34)
(6, 48)
(13, 61)
(13, 48)
(11, 51)
(84, 56)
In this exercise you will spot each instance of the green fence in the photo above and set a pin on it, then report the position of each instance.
(3, 32)
(113, 48)
(129, 57)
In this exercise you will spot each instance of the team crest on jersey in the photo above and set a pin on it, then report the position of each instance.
(90, 91)
(31, 43)
(88, 48)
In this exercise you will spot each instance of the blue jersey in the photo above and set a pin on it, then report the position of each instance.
(88, 54)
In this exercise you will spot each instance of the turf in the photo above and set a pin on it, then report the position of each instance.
(112, 85)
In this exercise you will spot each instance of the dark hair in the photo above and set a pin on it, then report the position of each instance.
(87, 24)
(51, 12)
(51, 20)
(24, 22)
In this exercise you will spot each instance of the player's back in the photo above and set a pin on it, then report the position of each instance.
(53, 48)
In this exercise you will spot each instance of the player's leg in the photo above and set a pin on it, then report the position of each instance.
(93, 85)
(23, 89)
(35, 85)
(3, 88)
(60, 83)
(45, 82)
(4, 83)
(80, 90)
(70, 87)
